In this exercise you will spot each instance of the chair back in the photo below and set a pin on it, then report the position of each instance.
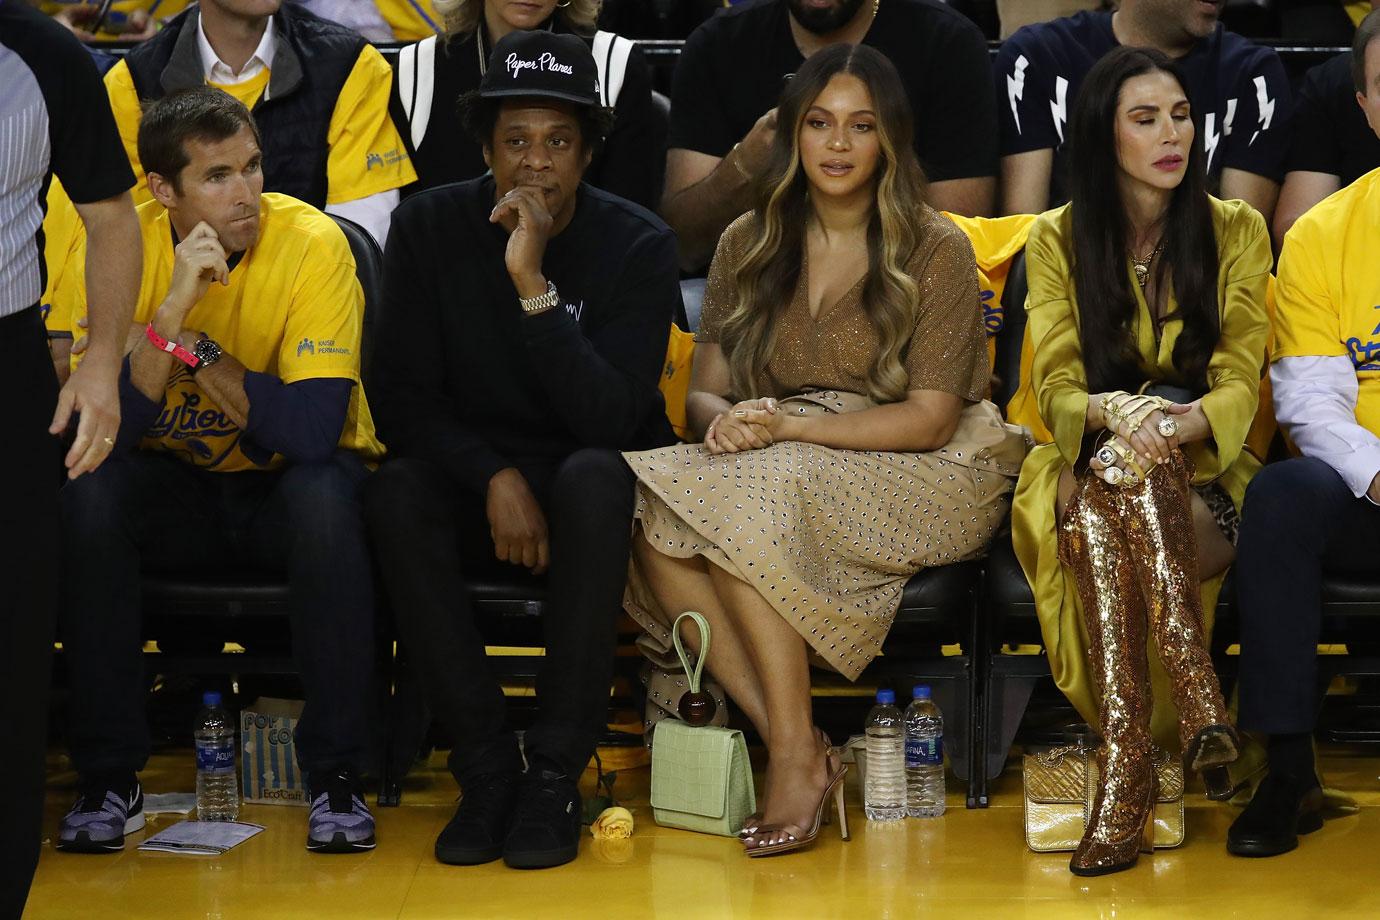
(369, 270)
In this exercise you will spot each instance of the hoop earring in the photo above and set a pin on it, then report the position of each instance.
(561, 6)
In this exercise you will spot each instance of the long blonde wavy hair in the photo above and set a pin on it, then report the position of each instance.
(461, 17)
(770, 269)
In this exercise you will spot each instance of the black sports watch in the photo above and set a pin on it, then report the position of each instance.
(207, 352)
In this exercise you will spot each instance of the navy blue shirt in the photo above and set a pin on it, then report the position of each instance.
(1238, 90)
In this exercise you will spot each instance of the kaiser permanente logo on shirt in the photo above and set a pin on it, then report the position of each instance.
(323, 347)
(387, 158)
(546, 61)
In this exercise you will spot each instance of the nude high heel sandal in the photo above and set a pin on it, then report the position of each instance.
(792, 842)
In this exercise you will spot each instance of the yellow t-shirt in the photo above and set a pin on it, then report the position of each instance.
(412, 20)
(247, 91)
(366, 154)
(1328, 291)
(293, 309)
(996, 241)
(62, 232)
(117, 20)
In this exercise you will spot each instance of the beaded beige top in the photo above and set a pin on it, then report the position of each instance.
(947, 350)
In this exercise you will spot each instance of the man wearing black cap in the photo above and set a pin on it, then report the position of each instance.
(522, 333)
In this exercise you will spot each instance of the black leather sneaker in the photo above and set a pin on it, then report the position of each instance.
(1283, 808)
(545, 830)
(475, 835)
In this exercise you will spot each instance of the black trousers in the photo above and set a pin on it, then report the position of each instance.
(29, 478)
(430, 534)
(1299, 519)
(148, 511)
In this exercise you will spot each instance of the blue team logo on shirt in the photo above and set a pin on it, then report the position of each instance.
(205, 435)
(993, 313)
(306, 346)
(1365, 355)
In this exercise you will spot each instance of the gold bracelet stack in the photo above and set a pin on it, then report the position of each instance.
(1130, 409)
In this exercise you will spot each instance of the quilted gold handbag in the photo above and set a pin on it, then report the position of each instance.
(1060, 786)
(701, 777)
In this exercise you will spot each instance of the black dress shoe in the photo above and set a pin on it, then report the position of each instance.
(1282, 809)
(475, 835)
(545, 829)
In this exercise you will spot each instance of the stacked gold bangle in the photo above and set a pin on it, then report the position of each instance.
(1121, 463)
(1131, 410)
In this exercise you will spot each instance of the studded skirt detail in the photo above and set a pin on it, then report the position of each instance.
(829, 537)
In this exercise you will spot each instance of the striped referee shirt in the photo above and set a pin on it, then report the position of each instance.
(54, 118)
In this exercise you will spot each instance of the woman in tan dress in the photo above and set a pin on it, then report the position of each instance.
(794, 534)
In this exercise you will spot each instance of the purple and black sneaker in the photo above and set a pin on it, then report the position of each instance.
(339, 821)
(103, 814)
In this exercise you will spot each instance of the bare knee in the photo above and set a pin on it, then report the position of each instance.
(1215, 552)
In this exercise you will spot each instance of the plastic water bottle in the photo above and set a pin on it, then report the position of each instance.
(924, 756)
(884, 792)
(217, 792)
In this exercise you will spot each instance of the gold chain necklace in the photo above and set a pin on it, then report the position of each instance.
(1142, 266)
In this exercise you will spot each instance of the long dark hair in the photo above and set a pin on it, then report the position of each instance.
(1106, 303)
(770, 269)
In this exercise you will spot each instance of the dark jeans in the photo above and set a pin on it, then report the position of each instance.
(1299, 518)
(148, 511)
(430, 535)
(29, 465)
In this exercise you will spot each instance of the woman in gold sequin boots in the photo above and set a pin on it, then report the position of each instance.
(837, 390)
(1147, 316)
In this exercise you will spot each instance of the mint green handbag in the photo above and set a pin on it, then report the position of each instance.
(701, 777)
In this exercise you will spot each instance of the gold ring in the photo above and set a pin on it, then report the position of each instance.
(1168, 427)
(109, 442)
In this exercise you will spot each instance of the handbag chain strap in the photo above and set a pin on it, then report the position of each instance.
(692, 672)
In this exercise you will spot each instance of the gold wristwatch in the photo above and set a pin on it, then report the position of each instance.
(542, 301)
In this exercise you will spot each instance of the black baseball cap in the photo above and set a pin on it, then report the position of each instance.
(541, 64)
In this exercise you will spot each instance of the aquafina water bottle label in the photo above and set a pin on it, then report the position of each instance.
(215, 756)
(921, 752)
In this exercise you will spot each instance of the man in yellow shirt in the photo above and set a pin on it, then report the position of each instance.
(244, 439)
(1315, 512)
(319, 93)
(119, 21)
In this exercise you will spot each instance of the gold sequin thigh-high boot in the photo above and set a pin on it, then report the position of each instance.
(1160, 535)
(1093, 544)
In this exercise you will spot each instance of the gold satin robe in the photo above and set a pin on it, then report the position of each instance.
(1059, 385)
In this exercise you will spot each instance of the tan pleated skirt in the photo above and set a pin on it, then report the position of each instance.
(828, 537)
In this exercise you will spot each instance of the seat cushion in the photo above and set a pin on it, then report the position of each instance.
(939, 601)
(1351, 595)
(248, 588)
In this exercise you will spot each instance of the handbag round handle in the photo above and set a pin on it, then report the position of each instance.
(695, 707)
(692, 672)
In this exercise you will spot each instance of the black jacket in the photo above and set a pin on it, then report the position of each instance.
(462, 377)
